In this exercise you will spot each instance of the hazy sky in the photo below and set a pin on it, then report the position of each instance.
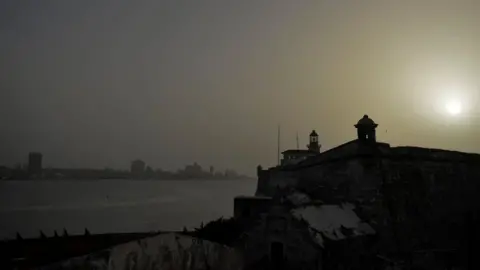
(99, 83)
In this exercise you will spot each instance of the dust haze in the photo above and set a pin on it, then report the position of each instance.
(100, 83)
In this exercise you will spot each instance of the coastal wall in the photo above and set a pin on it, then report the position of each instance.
(412, 196)
(270, 180)
(432, 195)
(348, 164)
(165, 251)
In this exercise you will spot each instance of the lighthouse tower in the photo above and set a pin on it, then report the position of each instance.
(313, 144)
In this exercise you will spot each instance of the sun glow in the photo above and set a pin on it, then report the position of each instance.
(453, 107)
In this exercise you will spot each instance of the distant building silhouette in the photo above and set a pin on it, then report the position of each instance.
(35, 164)
(229, 173)
(5, 172)
(193, 171)
(137, 167)
(149, 172)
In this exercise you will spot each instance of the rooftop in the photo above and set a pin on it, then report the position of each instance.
(360, 147)
(299, 151)
(366, 121)
(334, 222)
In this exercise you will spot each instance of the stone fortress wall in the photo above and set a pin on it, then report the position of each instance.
(416, 198)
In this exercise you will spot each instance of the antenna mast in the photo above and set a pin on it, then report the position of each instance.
(298, 147)
(278, 146)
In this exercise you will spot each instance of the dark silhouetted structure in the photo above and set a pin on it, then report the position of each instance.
(366, 129)
(412, 196)
(313, 144)
(293, 156)
(35, 164)
(137, 167)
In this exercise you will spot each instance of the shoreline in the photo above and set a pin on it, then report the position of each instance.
(124, 179)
